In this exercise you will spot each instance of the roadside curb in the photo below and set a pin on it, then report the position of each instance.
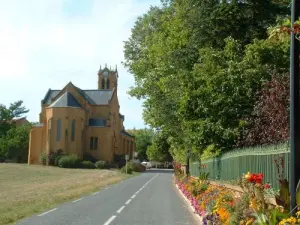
(197, 217)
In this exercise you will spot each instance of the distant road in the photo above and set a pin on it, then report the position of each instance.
(147, 199)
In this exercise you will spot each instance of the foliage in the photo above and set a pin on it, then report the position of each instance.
(16, 141)
(129, 169)
(160, 149)
(100, 164)
(218, 205)
(69, 161)
(7, 114)
(87, 165)
(53, 157)
(43, 158)
(199, 66)
(88, 157)
(138, 167)
(143, 139)
(270, 119)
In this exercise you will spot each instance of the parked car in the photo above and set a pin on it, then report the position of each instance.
(146, 164)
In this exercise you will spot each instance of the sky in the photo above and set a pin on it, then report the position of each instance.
(47, 43)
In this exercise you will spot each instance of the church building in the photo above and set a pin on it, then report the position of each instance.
(82, 122)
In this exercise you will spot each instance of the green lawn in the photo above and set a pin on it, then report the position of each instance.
(25, 190)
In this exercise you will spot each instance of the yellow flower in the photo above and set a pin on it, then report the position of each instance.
(248, 175)
(298, 213)
(250, 221)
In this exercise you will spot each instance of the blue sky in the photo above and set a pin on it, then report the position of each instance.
(47, 43)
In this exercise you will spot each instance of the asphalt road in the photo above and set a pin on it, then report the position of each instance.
(147, 199)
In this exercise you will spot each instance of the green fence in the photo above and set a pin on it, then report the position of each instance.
(231, 165)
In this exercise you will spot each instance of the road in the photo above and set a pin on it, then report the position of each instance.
(147, 199)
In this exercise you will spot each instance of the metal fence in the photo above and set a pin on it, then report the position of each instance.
(231, 165)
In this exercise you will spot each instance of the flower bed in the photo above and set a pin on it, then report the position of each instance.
(217, 204)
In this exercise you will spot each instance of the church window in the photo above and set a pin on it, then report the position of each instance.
(73, 130)
(58, 132)
(93, 143)
(107, 84)
(103, 83)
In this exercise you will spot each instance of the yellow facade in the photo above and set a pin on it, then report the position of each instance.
(82, 122)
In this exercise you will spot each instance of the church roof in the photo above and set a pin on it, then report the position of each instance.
(94, 97)
(66, 100)
(126, 134)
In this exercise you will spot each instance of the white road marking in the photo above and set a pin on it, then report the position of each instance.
(110, 220)
(128, 202)
(133, 196)
(96, 193)
(77, 200)
(47, 212)
(120, 209)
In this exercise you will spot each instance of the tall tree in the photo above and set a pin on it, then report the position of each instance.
(186, 57)
(160, 149)
(144, 138)
(7, 114)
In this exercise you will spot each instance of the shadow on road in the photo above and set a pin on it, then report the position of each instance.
(154, 170)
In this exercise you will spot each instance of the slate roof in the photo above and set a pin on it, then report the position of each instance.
(97, 122)
(66, 100)
(121, 116)
(94, 97)
(126, 134)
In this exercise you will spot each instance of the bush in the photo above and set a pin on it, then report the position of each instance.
(138, 167)
(129, 169)
(100, 164)
(57, 158)
(69, 161)
(89, 157)
(51, 157)
(87, 165)
(44, 158)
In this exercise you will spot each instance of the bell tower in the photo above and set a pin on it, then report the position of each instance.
(107, 78)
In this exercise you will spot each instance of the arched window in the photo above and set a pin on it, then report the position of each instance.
(73, 130)
(58, 131)
(107, 84)
(103, 83)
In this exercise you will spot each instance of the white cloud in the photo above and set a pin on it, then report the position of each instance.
(47, 43)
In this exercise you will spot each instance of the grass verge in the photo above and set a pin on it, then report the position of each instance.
(26, 190)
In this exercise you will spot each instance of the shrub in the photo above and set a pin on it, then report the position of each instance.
(89, 157)
(129, 169)
(69, 161)
(57, 158)
(100, 164)
(138, 167)
(44, 158)
(87, 165)
(51, 157)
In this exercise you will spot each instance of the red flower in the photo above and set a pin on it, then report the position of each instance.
(267, 186)
(256, 178)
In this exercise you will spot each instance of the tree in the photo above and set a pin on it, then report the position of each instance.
(269, 122)
(13, 139)
(7, 115)
(15, 144)
(143, 139)
(198, 65)
(159, 151)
